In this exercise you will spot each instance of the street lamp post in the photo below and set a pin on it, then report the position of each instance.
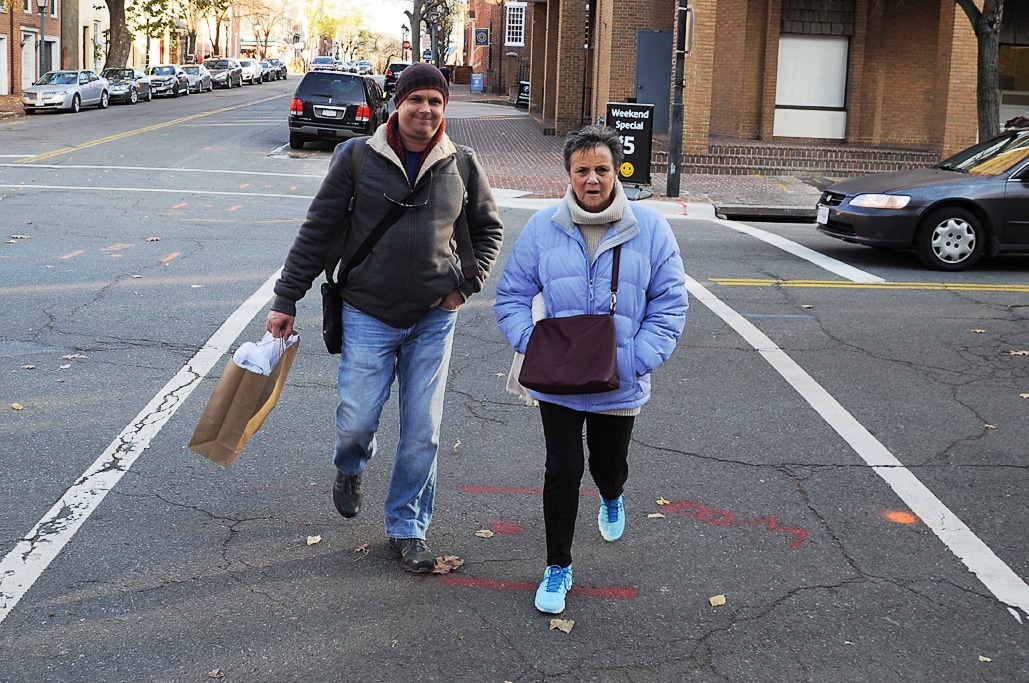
(403, 50)
(42, 4)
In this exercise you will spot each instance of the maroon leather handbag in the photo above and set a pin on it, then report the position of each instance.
(577, 354)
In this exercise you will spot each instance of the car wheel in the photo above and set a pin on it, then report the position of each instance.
(186, 91)
(950, 238)
(175, 90)
(296, 141)
(105, 99)
(149, 95)
(76, 104)
(133, 96)
(30, 112)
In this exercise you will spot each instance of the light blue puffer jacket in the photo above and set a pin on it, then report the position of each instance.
(550, 256)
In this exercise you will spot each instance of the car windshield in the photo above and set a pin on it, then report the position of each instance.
(192, 69)
(991, 157)
(162, 70)
(59, 78)
(323, 60)
(117, 74)
(217, 64)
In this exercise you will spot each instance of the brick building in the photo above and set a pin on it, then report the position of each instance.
(505, 60)
(24, 42)
(819, 72)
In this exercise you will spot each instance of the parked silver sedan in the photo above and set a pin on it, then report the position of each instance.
(66, 90)
(199, 78)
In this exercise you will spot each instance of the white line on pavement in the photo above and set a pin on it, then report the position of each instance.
(20, 569)
(998, 578)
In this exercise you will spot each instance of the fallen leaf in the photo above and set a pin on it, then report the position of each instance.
(1024, 395)
(1020, 353)
(444, 565)
(984, 659)
(363, 548)
(979, 331)
(456, 445)
(662, 501)
(64, 367)
(17, 406)
(70, 356)
(311, 540)
(562, 625)
(991, 426)
(655, 515)
(194, 286)
(28, 367)
(138, 277)
(501, 374)
(153, 239)
(806, 306)
(215, 673)
(717, 600)
(484, 533)
(19, 237)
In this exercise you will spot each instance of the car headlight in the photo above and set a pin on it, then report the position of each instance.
(880, 201)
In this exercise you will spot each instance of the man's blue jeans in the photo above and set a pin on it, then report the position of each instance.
(374, 354)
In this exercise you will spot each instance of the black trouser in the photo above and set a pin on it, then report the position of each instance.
(607, 437)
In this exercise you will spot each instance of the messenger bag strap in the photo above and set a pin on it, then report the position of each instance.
(335, 253)
(469, 266)
(614, 276)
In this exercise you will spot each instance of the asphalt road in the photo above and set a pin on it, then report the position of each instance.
(837, 448)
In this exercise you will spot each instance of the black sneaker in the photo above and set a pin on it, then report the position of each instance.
(415, 556)
(346, 494)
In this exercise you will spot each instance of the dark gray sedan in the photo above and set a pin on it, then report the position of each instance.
(128, 85)
(169, 79)
(974, 205)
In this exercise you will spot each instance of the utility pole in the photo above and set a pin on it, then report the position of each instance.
(683, 44)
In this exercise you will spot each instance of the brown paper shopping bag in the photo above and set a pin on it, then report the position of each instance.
(238, 406)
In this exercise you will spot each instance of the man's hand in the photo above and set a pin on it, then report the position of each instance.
(279, 324)
(452, 301)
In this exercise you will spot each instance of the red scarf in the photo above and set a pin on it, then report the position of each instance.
(393, 138)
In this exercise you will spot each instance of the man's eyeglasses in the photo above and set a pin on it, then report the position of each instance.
(411, 205)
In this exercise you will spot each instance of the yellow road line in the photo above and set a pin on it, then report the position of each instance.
(843, 284)
(147, 129)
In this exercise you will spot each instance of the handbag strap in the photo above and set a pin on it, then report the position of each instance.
(469, 266)
(614, 277)
(335, 253)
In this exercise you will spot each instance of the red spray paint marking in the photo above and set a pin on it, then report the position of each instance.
(588, 591)
(703, 513)
(468, 488)
(505, 528)
(73, 254)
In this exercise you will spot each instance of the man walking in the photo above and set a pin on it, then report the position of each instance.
(400, 302)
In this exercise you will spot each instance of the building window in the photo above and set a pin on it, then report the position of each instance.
(514, 36)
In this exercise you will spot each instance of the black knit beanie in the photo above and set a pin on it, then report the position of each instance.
(420, 76)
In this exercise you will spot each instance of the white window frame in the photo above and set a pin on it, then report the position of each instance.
(514, 31)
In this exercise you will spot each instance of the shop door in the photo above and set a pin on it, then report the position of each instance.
(654, 73)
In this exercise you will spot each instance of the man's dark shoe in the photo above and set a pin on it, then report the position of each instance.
(346, 494)
(415, 556)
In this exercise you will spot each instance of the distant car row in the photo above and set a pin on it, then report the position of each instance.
(327, 63)
(70, 90)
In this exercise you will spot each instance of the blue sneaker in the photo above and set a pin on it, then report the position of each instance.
(612, 518)
(550, 596)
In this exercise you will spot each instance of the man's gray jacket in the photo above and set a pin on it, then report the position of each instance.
(415, 264)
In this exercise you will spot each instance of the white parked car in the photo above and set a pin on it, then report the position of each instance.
(251, 70)
(67, 90)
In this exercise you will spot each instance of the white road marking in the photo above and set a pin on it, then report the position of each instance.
(20, 569)
(998, 578)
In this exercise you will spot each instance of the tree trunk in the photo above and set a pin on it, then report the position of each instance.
(986, 24)
(121, 37)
